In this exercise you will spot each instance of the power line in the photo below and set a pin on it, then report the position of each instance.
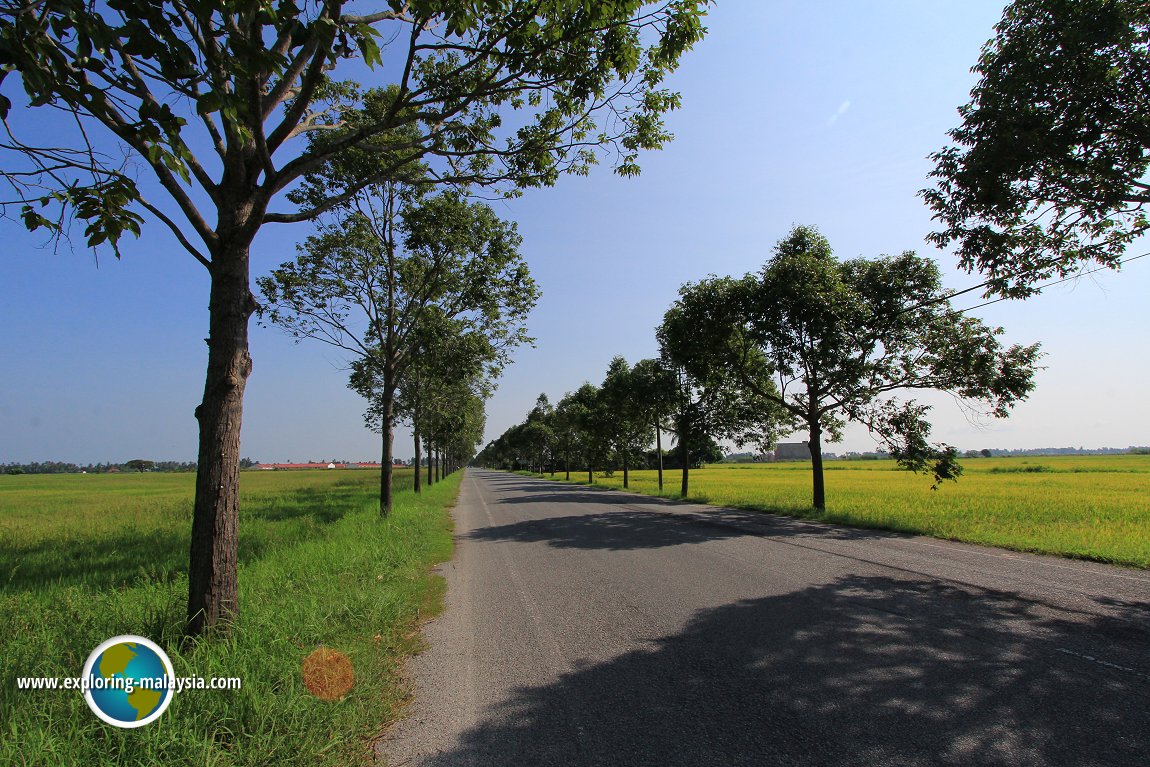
(1074, 276)
(1018, 273)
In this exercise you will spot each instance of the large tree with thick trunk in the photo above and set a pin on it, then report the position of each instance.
(214, 103)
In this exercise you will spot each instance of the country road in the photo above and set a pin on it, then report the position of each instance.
(592, 627)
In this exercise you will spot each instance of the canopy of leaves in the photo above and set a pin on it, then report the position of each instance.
(211, 97)
(448, 266)
(710, 399)
(1048, 170)
(841, 338)
(623, 420)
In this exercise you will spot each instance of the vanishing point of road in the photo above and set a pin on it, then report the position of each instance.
(592, 627)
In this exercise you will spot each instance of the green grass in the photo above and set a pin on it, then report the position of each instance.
(1087, 507)
(85, 557)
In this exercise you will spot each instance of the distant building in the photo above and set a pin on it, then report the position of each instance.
(792, 451)
(269, 466)
(287, 466)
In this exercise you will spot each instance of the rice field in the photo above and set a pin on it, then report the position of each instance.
(1088, 507)
(87, 557)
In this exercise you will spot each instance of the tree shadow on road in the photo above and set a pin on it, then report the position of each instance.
(750, 521)
(601, 497)
(613, 531)
(861, 671)
(635, 528)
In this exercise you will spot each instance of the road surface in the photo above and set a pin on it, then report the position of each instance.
(592, 627)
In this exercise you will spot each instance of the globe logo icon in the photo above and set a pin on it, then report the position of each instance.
(129, 681)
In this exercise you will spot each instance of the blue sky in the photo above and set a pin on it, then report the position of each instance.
(793, 112)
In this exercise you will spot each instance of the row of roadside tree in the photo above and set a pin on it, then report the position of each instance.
(427, 294)
(806, 344)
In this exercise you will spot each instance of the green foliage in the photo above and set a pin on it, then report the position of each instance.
(1048, 169)
(383, 274)
(574, 427)
(229, 104)
(622, 418)
(166, 79)
(711, 400)
(443, 391)
(842, 338)
(571, 430)
(426, 292)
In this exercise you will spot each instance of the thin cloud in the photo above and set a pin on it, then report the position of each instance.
(842, 110)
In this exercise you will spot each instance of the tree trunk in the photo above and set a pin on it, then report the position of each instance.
(685, 458)
(815, 445)
(418, 468)
(212, 583)
(567, 467)
(430, 451)
(659, 453)
(386, 471)
(590, 472)
(626, 482)
(438, 475)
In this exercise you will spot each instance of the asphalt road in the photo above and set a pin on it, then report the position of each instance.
(590, 627)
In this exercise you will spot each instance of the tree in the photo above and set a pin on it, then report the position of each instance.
(1048, 173)
(708, 403)
(588, 414)
(456, 429)
(655, 388)
(569, 419)
(386, 272)
(539, 433)
(140, 465)
(711, 400)
(220, 104)
(841, 337)
(624, 419)
(444, 354)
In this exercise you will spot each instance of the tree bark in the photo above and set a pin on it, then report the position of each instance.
(815, 445)
(659, 453)
(418, 468)
(430, 451)
(212, 580)
(625, 467)
(386, 472)
(685, 458)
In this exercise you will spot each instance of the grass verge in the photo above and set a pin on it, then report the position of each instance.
(319, 569)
